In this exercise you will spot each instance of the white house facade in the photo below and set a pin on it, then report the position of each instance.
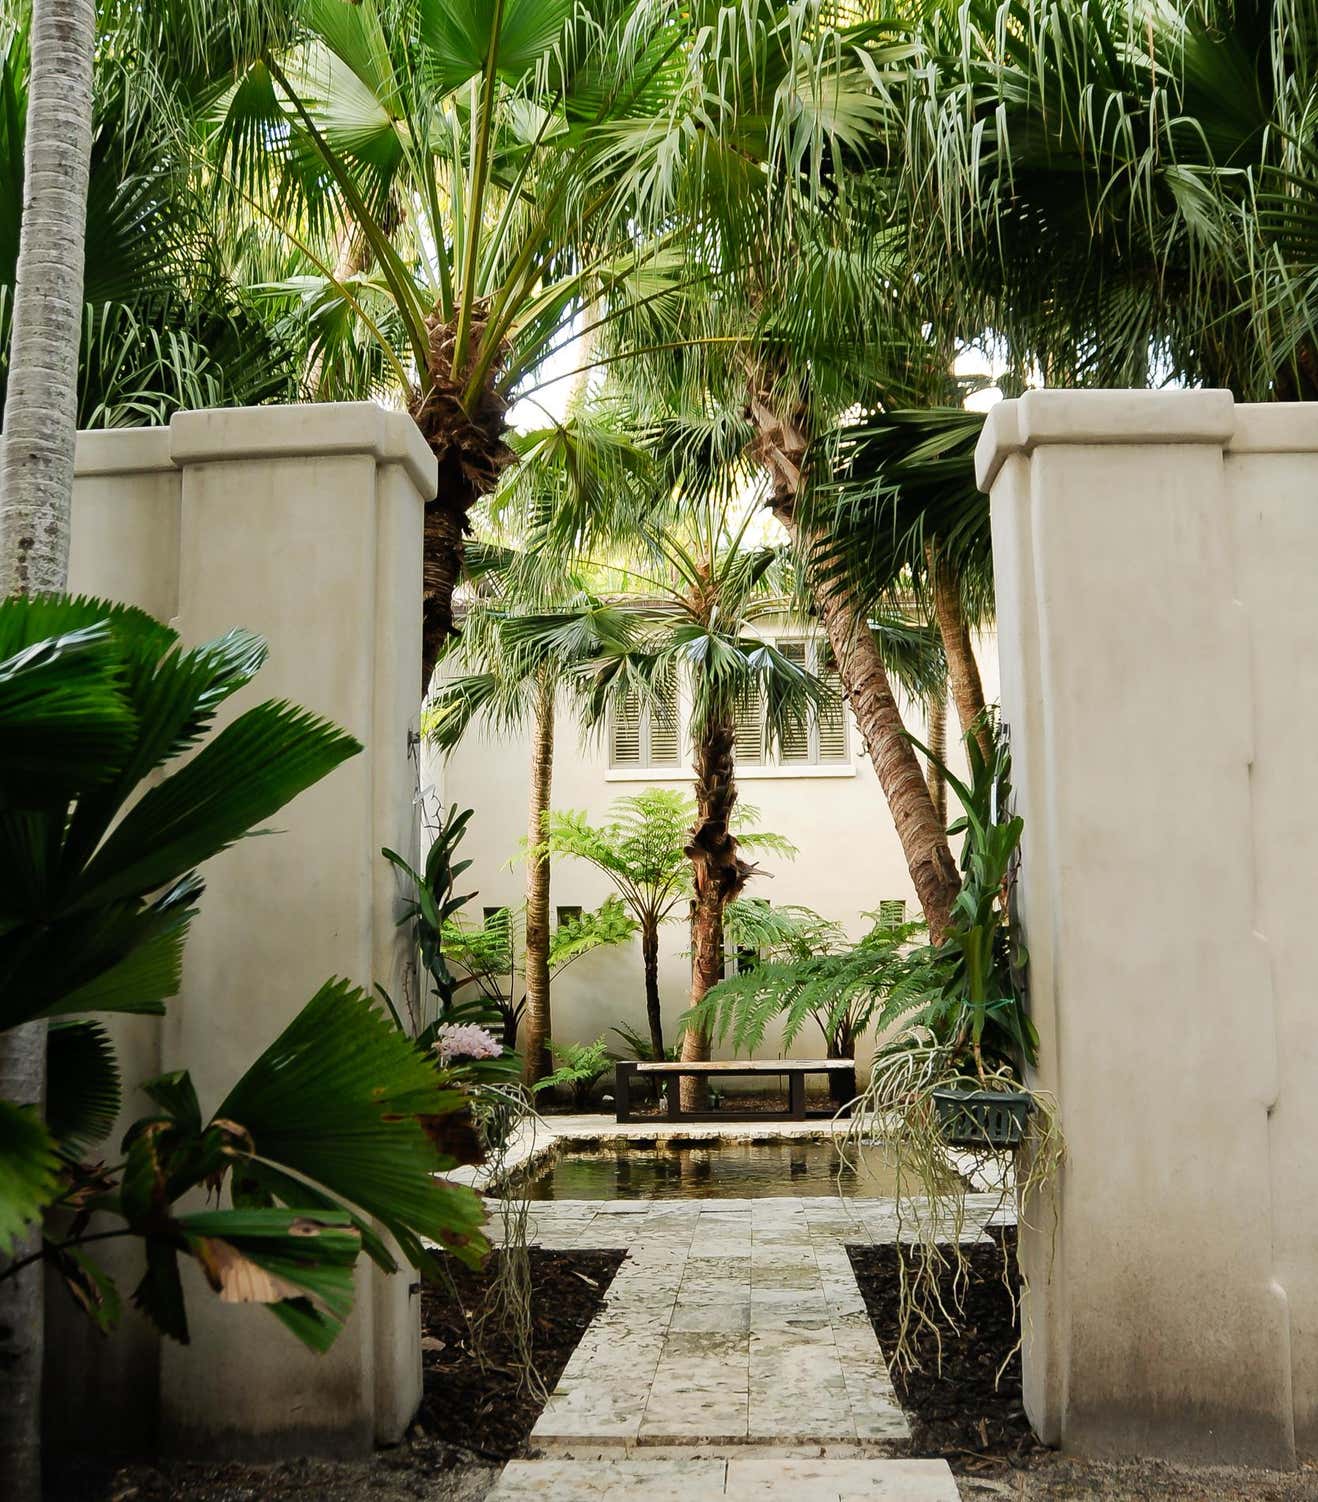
(819, 791)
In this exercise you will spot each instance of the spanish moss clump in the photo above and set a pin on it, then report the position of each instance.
(947, 1196)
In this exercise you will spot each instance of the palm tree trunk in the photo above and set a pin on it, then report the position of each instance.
(780, 446)
(535, 1060)
(962, 669)
(36, 502)
(869, 693)
(41, 405)
(22, 1306)
(718, 875)
(937, 711)
(650, 959)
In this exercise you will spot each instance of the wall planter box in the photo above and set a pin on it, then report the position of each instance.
(983, 1118)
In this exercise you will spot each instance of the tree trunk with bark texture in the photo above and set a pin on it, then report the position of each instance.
(535, 1062)
(650, 959)
(41, 405)
(938, 745)
(467, 439)
(962, 669)
(780, 446)
(718, 875)
(36, 502)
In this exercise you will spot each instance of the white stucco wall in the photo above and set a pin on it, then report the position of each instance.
(303, 524)
(849, 854)
(1155, 557)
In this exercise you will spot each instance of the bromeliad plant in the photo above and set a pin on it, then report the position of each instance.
(947, 1097)
(324, 1134)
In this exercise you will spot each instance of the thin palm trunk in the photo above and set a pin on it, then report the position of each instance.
(780, 446)
(962, 668)
(650, 959)
(36, 503)
(535, 1061)
(937, 711)
(718, 875)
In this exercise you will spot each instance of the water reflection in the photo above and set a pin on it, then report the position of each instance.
(707, 1170)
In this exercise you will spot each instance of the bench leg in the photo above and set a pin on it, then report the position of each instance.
(623, 1074)
(796, 1095)
(674, 1085)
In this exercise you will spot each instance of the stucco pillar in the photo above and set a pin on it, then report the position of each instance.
(305, 525)
(1154, 556)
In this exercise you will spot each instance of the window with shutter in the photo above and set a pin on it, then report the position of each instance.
(832, 715)
(645, 734)
(625, 737)
(892, 912)
(795, 743)
(662, 726)
(750, 727)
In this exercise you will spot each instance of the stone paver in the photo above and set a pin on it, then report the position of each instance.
(751, 1478)
(731, 1323)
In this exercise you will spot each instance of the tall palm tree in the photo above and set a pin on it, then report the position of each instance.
(477, 185)
(696, 625)
(36, 497)
(509, 667)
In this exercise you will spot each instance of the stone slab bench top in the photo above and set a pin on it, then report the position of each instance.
(746, 1066)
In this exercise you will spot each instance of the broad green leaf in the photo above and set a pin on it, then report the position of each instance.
(250, 770)
(461, 33)
(29, 1169)
(336, 1100)
(83, 1089)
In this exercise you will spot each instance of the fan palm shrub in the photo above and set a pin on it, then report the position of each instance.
(323, 1135)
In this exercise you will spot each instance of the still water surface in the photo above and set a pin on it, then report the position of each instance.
(713, 1170)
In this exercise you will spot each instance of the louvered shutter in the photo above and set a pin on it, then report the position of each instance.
(892, 912)
(625, 738)
(833, 715)
(750, 727)
(662, 718)
(795, 743)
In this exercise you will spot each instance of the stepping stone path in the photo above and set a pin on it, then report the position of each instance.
(733, 1358)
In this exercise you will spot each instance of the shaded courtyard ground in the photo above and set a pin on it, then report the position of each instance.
(474, 1416)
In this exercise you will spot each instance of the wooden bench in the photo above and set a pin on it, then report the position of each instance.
(794, 1069)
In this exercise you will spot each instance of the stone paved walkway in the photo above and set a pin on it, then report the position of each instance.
(734, 1356)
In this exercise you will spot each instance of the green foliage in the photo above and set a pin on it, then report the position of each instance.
(641, 847)
(97, 879)
(164, 326)
(979, 964)
(29, 1164)
(326, 1134)
(432, 905)
(491, 954)
(83, 1092)
(846, 990)
(640, 1047)
(580, 1068)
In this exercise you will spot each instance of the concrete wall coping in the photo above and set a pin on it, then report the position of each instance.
(122, 451)
(1101, 417)
(314, 429)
